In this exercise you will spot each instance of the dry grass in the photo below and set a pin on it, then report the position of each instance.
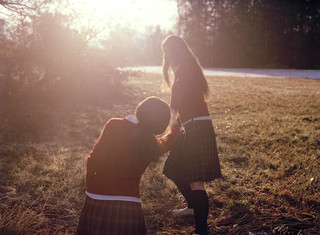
(268, 133)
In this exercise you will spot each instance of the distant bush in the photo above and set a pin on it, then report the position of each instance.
(48, 61)
(46, 68)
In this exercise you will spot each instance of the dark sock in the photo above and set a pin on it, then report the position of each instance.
(201, 209)
(186, 192)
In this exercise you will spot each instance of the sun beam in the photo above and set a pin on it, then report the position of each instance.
(136, 13)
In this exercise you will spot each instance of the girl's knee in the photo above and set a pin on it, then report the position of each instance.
(199, 185)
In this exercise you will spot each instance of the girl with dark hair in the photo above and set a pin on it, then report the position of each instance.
(194, 159)
(123, 151)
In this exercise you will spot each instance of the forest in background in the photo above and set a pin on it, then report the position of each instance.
(40, 40)
(253, 33)
(46, 61)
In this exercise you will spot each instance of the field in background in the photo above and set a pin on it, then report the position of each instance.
(242, 72)
(268, 134)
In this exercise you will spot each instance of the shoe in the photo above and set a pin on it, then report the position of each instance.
(183, 212)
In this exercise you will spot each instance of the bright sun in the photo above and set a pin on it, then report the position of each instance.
(136, 13)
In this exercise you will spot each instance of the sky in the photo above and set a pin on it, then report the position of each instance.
(103, 14)
(136, 13)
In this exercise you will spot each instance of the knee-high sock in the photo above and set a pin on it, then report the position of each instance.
(186, 192)
(201, 209)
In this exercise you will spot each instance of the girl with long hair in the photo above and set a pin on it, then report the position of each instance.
(194, 159)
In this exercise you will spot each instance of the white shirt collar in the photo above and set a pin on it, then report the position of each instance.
(132, 119)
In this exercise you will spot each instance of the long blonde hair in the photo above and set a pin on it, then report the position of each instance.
(181, 53)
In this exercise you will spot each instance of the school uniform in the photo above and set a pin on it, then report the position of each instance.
(195, 156)
(113, 173)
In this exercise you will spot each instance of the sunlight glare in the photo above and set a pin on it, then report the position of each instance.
(135, 13)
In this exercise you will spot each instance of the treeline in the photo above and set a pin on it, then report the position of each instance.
(42, 53)
(42, 58)
(51, 65)
(253, 33)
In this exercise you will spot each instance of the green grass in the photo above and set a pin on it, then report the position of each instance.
(268, 135)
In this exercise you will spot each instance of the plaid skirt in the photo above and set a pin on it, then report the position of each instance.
(195, 156)
(111, 217)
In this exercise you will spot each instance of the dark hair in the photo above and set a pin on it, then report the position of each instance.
(182, 53)
(154, 116)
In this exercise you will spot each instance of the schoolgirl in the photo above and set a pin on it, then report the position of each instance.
(123, 151)
(194, 159)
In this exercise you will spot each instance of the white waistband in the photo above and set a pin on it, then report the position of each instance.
(113, 198)
(196, 119)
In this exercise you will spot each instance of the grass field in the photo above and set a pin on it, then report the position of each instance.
(268, 135)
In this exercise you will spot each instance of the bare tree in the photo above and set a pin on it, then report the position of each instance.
(22, 7)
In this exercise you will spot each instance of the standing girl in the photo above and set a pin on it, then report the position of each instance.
(194, 159)
(123, 151)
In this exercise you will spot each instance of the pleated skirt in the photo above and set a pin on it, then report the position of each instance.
(111, 218)
(195, 156)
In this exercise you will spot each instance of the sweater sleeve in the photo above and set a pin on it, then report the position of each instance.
(185, 83)
(177, 93)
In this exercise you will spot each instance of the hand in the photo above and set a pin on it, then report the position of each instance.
(173, 121)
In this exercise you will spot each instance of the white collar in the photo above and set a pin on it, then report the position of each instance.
(132, 119)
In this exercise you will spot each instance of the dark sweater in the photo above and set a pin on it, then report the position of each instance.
(186, 95)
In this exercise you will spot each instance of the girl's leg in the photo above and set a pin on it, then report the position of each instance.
(201, 206)
(186, 192)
